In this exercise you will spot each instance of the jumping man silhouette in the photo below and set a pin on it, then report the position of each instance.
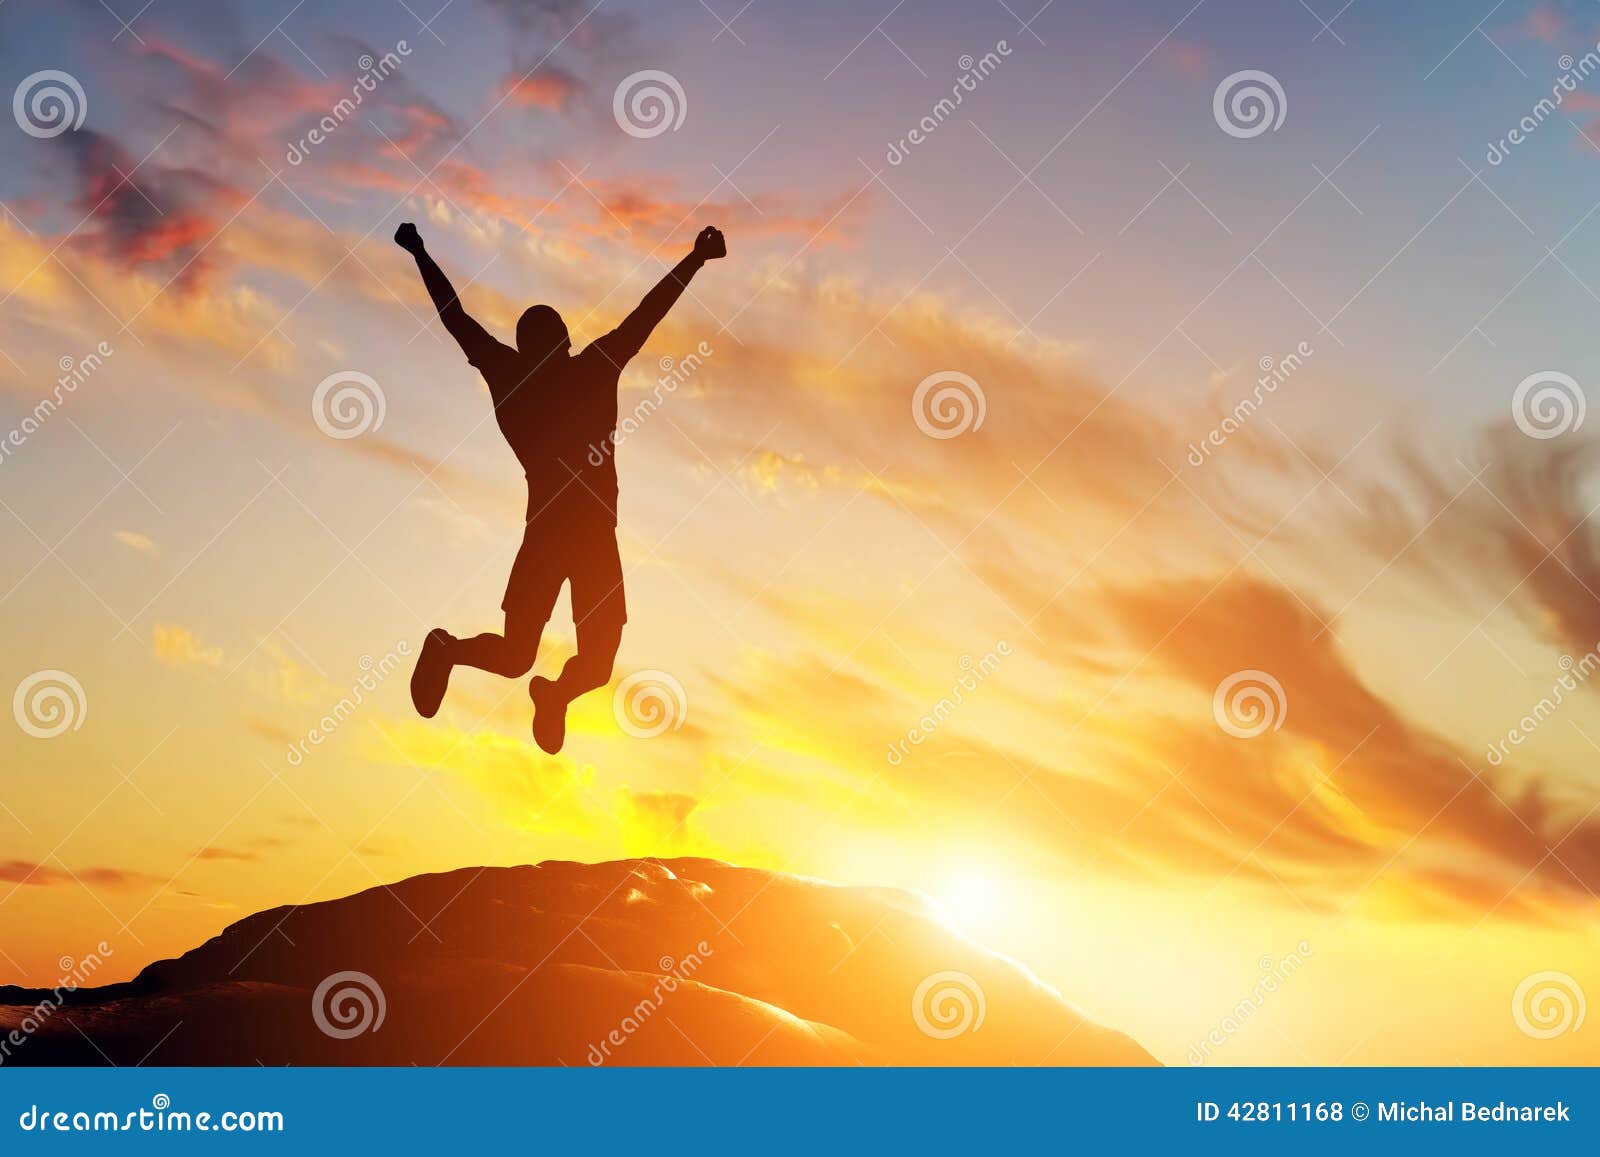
(554, 408)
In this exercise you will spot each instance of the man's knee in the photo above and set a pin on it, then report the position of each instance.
(518, 662)
(522, 645)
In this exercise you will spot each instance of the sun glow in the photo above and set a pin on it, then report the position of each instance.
(975, 900)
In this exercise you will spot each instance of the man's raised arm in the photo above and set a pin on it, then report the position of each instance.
(469, 335)
(635, 330)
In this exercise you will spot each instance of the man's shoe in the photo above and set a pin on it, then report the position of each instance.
(549, 715)
(431, 676)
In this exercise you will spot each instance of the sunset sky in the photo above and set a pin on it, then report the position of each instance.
(1082, 238)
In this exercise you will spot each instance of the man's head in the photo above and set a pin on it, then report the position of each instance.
(541, 333)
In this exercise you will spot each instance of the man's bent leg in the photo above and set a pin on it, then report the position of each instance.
(531, 593)
(588, 669)
(510, 655)
(599, 610)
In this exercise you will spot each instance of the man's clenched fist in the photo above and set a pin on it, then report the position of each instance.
(408, 238)
(709, 245)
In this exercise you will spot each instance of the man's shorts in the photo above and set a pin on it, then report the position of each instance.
(585, 555)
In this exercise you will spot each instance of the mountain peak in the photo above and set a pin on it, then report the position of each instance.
(645, 961)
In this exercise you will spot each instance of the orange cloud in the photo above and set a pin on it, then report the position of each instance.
(1545, 23)
(214, 853)
(27, 873)
(135, 541)
(548, 88)
(158, 216)
(1346, 784)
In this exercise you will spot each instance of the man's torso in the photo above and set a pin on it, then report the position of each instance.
(559, 418)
